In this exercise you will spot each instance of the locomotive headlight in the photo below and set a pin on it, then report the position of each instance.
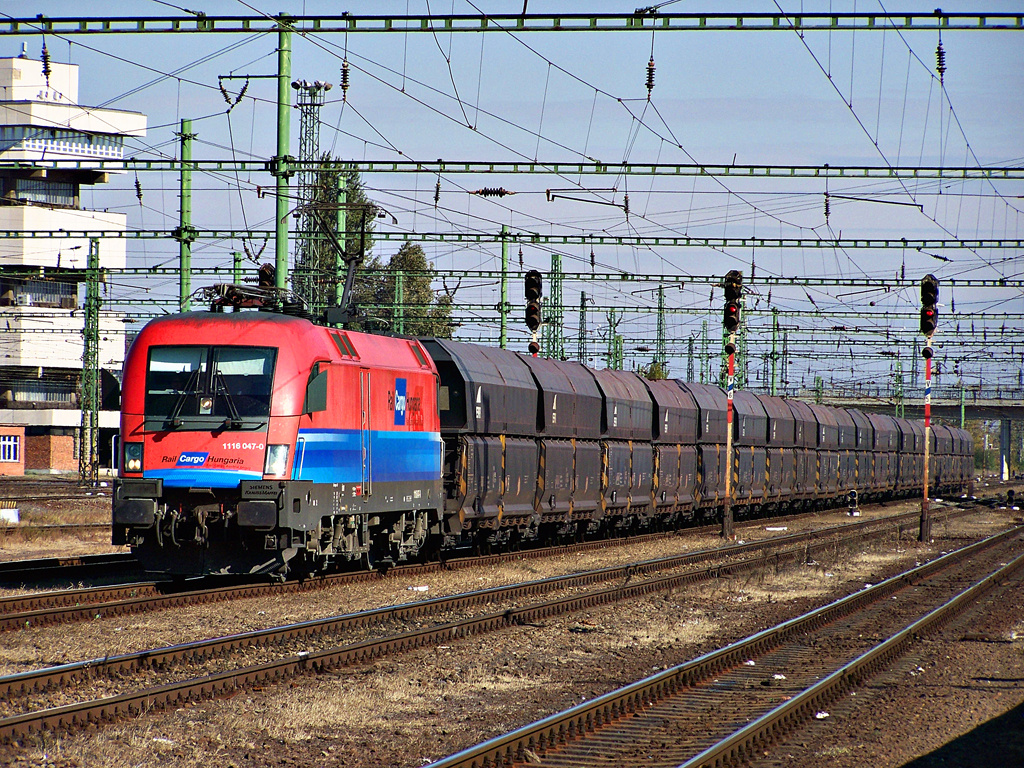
(277, 460)
(133, 457)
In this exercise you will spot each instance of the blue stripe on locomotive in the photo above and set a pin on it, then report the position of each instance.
(335, 456)
(202, 478)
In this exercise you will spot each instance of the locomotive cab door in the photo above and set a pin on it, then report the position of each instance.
(364, 430)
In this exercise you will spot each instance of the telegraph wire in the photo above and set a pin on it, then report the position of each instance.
(864, 128)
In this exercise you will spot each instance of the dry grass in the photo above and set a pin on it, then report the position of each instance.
(25, 541)
(31, 545)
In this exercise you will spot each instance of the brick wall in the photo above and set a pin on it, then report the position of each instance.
(51, 453)
(14, 467)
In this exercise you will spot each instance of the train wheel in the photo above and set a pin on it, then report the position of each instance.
(375, 560)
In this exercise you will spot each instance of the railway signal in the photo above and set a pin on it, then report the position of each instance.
(929, 297)
(733, 293)
(929, 318)
(534, 290)
(733, 286)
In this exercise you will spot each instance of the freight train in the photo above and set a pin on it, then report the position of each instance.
(263, 443)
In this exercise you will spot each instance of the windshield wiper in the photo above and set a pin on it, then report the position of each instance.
(235, 420)
(191, 388)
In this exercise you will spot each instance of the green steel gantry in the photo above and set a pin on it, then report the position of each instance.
(641, 20)
(554, 312)
(533, 238)
(527, 167)
(88, 438)
(185, 233)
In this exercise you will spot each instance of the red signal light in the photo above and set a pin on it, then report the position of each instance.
(929, 319)
(533, 316)
(731, 317)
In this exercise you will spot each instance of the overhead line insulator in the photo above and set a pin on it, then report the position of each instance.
(47, 71)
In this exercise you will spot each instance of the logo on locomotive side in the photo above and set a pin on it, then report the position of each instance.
(192, 459)
(399, 404)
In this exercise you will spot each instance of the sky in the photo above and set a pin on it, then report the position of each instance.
(720, 97)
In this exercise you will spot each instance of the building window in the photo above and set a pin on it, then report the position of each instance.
(23, 137)
(10, 447)
(44, 191)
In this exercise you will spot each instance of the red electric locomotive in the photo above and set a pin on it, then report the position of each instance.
(256, 442)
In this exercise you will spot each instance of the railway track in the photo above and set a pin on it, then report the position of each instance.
(53, 570)
(24, 488)
(313, 646)
(16, 573)
(731, 704)
(64, 606)
(56, 527)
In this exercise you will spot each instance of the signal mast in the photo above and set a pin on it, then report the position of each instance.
(731, 322)
(929, 320)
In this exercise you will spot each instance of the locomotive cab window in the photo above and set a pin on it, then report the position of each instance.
(228, 387)
(316, 389)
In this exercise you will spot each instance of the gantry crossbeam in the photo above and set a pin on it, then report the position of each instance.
(532, 22)
(442, 167)
(531, 238)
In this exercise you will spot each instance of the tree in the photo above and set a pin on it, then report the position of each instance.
(400, 298)
(318, 268)
(654, 371)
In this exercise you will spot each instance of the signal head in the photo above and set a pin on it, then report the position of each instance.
(927, 353)
(929, 319)
(733, 285)
(533, 315)
(731, 316)
(534, 285)
(929, 290)
(730, 348)
(534, 348)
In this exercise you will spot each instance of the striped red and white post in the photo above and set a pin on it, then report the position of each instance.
(925, 533)
(727, 526)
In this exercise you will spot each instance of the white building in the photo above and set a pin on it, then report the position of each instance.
(41, 315)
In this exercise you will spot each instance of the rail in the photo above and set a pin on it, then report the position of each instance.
(589, 716)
